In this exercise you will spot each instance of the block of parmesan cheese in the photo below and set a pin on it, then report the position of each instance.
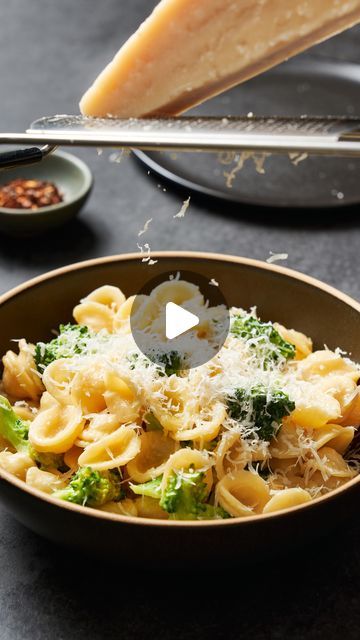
(190, 50)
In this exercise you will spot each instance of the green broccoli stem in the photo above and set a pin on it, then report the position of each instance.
(264, 337)
(71, 341)
(12, 428)
(262, 407)
(89, 487)
(183, 497)
(151, 489)
(16, 432)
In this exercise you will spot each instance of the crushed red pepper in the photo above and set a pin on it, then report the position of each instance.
(29, 194)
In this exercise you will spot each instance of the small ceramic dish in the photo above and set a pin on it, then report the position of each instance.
(73, 179)
(293, 299)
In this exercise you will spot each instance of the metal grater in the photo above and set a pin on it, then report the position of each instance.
(331, 136)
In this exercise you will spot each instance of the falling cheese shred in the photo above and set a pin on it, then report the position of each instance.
(183, 210)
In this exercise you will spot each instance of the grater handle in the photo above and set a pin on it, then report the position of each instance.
(21, 157)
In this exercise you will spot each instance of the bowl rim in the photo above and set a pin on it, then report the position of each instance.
(86, 186)
(153, 522)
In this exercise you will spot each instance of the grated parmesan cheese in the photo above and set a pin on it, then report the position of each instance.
(183, 210)
(145, 227)
(275, 257)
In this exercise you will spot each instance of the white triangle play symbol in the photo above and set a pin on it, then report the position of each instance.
(178, 320)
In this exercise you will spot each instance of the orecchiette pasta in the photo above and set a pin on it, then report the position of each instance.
(339, 438)
(155, 449)
(112, 451)
(57, 378)
(98, 310)
(204, 429)
(43, 480)
(286, 499)
(302, 343)
(16, 463)
(55, 429)
(242, 494)
(266, 424)
(126, 507)
(21, 378)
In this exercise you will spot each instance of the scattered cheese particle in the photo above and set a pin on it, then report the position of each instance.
(214, 282)
(145, 228)
(275, 257)
(187, 52)
(240, 159)
(146, 254)
(296, 158)
(183, 210)
(144, 250)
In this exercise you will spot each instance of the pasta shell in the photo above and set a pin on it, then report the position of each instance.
(57, 378)
(315, 411)
(112, 451)
(16, 463)
(43, 480)
(338, 437)
(108, 296)
(150, 461)
(56, 429)
(351, 414)
(204, 430)
(124, 507)
(231, 454)
(325, 362)
(243, 494)
(286, 499)
(302, 343)
(21, 378)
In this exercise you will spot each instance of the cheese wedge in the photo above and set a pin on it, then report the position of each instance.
(190, 50)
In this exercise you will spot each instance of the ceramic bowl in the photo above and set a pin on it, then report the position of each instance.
(73, 178)
(295, 300)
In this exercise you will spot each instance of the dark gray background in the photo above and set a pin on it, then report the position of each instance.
(50, 51)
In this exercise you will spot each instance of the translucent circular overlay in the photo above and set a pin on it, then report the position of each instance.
(166, 305)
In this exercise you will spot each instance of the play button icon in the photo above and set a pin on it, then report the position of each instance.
(178, 320)
(181, 315)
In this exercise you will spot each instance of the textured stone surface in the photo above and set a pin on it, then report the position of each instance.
(50, 52)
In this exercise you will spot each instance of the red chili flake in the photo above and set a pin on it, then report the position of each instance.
(29, 194)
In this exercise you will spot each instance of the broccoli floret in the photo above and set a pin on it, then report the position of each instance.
(48, 461)
(170, 362)
(260, 334)
(92, 488)
(16, 432)
(71, 341)
(264, 408)
(184, 496)
(151, 489)
(210, 512)
(12, 428)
